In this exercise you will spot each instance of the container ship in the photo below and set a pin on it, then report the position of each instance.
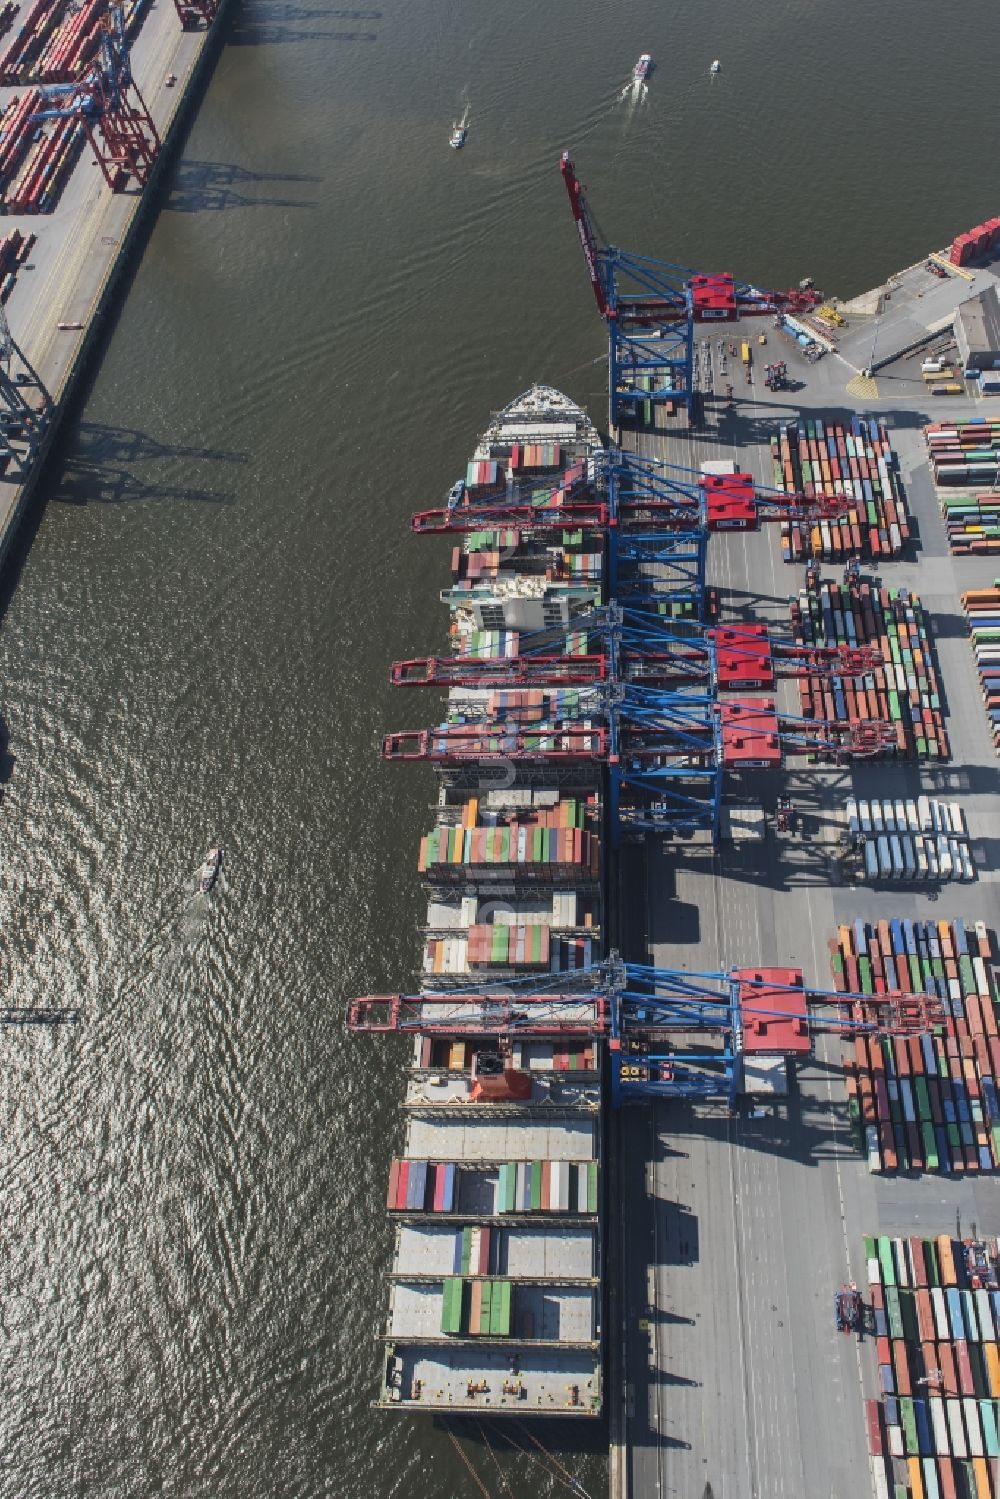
(495, 1287)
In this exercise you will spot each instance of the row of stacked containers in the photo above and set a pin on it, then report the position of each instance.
(972, 523)
(929, 1101)
(476, 1308)
(828, 458)
(457, 1054)
(56, 41)
(936, 1320)
(904, 690)
(982, 609)
(521, 1187)
(35, 159)
(982, 240)
(542, 844)
(15, 248)
(497, 946)
(965, 453)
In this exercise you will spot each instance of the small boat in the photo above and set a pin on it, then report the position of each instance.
(642, 67)
(457, 138)
(716, 67)
(211, 869)
(69, 327)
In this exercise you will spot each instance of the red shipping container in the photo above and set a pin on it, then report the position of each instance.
(393, 1191)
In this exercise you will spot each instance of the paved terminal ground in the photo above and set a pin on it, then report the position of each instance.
(739, 1230)
(80, 243)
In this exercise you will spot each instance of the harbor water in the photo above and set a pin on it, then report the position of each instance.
(195, 643)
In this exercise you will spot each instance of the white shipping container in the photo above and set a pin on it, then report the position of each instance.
(884, 861)
(871, 1142)
(945, 817)
(932, 861)
(895, 1435)
(909, 858)
(972, 1426)
(939, 1425)
(944, 857)
(956, 1429)
(880, 1483)
(865, 814)
(878, 822)
(912, 817)
(888, 817)
(853, 822)
(941, 1323)
(958, 825)
(902, 822)
(897, 857)
(921, 853)
(924, 813)
(968, 868)
(871, 861)
(982, 981)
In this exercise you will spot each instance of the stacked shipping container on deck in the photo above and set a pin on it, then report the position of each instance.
(827, 458)
(926, 1102)
(903, 690)
(937, 1419)
(513, 878)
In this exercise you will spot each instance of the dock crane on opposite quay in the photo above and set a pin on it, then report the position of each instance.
(670, 1033)
(651, 308)
(107, 103)
(22, 423)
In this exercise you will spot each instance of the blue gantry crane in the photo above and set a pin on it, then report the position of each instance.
(651, 308)
(670, 1033)
(107, 102)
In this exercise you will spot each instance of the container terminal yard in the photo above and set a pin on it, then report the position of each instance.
(90, 97)
(720, 745)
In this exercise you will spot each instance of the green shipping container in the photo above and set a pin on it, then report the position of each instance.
(887, 1261)
(506, 1297)
(536, 1185)
(592, 1187)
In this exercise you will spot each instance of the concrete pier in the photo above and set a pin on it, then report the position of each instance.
(84, 245)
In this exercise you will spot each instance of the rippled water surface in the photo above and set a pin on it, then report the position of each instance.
(195, 649)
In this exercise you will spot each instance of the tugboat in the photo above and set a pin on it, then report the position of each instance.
(642, 67)
(457, 138)
(211, 869)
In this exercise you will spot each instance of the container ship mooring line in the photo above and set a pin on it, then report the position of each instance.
(568, 1482)
(472, 1472)
(496, 1461)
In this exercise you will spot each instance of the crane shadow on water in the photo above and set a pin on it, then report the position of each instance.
(197, 186)
(99, 459)
(272, 25)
